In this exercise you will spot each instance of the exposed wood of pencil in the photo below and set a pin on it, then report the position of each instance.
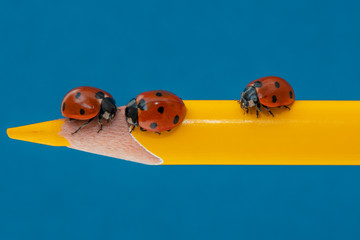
(218, 132)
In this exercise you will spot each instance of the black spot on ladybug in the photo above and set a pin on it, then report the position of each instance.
(291, 94)
(78, 95)
(82, 111)
(159, 94)
(277, 84)
(176, 119)
(153, 125)
(257, 84)
(142, 105)
(161, 110)
(63, 107)
(274, 99)
(99, 95)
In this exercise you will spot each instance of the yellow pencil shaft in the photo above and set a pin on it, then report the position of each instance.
(218, 132)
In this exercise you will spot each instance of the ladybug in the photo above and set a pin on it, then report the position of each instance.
(87, 103)
(155, 111)
(267, 92)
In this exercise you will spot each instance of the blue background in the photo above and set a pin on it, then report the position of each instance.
(199, 50)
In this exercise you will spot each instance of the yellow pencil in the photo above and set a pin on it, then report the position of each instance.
(218, 132)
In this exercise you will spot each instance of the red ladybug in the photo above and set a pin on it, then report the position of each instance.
(267, 92)
(87, 103)
(155, 111)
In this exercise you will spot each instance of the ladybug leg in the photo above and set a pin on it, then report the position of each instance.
(143, 130)
(132, 128)
(158, 133)
(82, 126)
(286, 107)
(267, 109)
(258, 109)
(247, 110)
(99, 121)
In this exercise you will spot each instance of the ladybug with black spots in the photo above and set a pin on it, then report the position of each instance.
(88, 103)
(155, 111)
(267, 92)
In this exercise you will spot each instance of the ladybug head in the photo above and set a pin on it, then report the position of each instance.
(108, 108)
(249, 97)
(131, 112)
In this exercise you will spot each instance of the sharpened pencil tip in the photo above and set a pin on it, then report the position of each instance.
(43, 133)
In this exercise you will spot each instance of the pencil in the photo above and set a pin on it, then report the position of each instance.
(220, 133)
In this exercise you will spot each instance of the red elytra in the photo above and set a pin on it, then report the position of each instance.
(273, 91)
(267, 92)
(82, 103)
(156, 111)
(87, 103)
